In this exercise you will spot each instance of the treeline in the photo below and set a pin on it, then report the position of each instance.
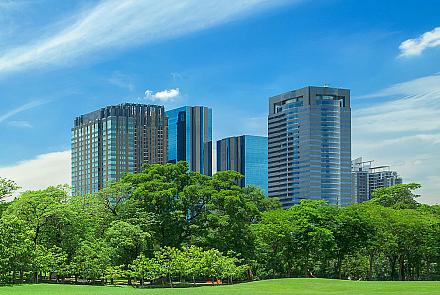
(167, 225)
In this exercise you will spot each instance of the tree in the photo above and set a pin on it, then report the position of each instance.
(91, 260)
(294, 241)
(16, 248)
(145, 268)
(228, 214)
(193, 258)
(352, 229)
(399, 196)
(7, 187)
(126, 242)
(114, 195)
(168, 265)
(156, 200)
(114, 272)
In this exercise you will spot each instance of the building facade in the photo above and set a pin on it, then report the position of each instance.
(309, 146)
(190, 137)
(115, 140)
(246, 154)
(366, 178)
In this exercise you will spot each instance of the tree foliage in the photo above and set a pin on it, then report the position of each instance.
(167, 226)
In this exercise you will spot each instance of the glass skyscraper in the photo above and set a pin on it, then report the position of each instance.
(310, 146)
(190, 137)
(115, 140)
(246, 154)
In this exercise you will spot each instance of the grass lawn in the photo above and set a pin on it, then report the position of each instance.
(269, 287)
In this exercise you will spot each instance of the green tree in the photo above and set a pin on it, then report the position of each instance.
(16, 248)
(47, 214)
(294, 241)
(126, 242)
(91, 260)
(352, 229)
(145, 269)
(168, 265)
(400, 196)
(7, 187)
(228, 215)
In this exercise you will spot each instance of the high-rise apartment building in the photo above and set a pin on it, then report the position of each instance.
(246, 154)
(366, 178)
(115, 140)
(309, 149)
(190, 137)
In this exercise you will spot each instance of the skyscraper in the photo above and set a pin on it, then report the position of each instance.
(246, 154)
(115, 140)
(366, 178)
(310, 146)
(190, 137)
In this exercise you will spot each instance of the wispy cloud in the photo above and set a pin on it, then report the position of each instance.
(22, 108)
(404, 131)
(427, 84)
(415, 47)
(117, 24)
(162, 96)
(20, 124)
(121, 80)
(6, 5)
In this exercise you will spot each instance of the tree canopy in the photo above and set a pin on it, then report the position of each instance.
(167, 225)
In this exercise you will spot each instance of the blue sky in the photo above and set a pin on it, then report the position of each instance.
(59, 59)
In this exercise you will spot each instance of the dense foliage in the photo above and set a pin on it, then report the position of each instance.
(167, 225)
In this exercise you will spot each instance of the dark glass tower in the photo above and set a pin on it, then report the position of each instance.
(115, 140)
(310, 146)
(246, 154)
(190, 137)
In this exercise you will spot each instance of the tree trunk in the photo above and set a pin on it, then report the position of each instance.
(393, 260)
(339, 266)
(370, 266)
(171, 280)
(402, 268)
(250, 275)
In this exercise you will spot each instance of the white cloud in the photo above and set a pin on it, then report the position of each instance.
(38, 173)
(162, 96)
(415, 47)
(22, 108)
(404, 132)
(118, 24)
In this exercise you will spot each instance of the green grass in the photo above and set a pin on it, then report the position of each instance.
(269, 287)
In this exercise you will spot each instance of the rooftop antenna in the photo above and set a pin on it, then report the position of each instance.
(326, 85)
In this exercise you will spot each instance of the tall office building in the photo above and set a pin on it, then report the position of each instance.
(190, 137)
(115, 140)
(246, 154)
(310, 146)
(366, 178)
